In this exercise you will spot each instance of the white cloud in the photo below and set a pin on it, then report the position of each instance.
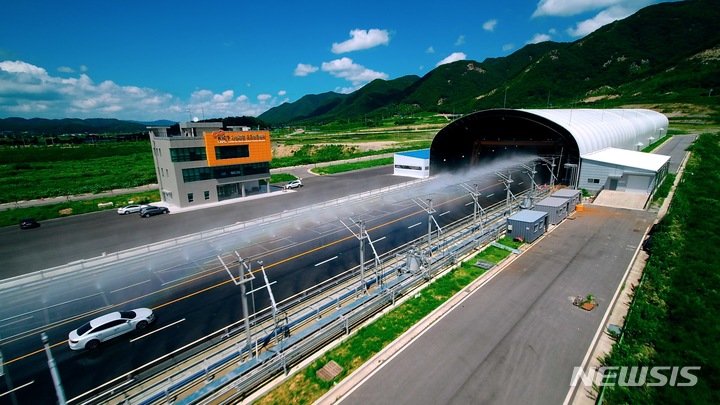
(282, 93)
(65, 69)
(345, 68)
(304, 70)
(29, 91)
(604, 17)
(489, 25)
(362, 39)
(539, 38)
(456, 56)
(226, 96)
(508, 47)
(460, 40)
(609, 11)
(566, 8)
(430, 50)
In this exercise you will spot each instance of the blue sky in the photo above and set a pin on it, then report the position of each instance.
(150, 60)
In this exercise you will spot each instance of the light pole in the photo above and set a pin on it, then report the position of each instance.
(53, 371)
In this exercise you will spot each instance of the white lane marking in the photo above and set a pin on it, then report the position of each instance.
(378, 240)
(490, 195)
(18, 320)
(17, 388)
(130, 286)
(413, 226)
(446, 212)
(157, 330)
(470, 203)
(328, 260)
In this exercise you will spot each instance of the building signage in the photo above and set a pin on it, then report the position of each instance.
(238, 137)
(258, 143)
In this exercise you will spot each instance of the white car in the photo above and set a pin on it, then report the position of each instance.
(129, 209)
(294, 184)
(108, 326)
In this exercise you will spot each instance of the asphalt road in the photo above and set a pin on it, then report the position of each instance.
(190, 293)
(517, 339)
(65, 240)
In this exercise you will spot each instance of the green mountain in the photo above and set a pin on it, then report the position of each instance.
(306, 107)
(663, 53)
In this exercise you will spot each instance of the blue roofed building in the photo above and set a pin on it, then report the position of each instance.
(414, 163)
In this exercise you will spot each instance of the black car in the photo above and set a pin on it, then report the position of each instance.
(151, 210)
(29, 223)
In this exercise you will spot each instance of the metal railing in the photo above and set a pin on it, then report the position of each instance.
(315, 317)
(81, 268)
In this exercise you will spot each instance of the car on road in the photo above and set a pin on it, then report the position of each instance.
(29, 223)
(129, 209)
(294, 184)
(108, 326)
(151, 210)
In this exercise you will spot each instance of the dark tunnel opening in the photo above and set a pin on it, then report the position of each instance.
(487, 136)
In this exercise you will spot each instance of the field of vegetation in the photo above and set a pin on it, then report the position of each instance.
(29, 173)
(672, 321)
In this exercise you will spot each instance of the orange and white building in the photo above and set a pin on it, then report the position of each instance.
(206, 163)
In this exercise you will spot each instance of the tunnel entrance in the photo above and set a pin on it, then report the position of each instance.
(488, 136)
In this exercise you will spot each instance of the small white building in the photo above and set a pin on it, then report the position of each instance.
(622, 170)
(413, 164)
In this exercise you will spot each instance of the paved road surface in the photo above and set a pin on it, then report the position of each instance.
(517, 339)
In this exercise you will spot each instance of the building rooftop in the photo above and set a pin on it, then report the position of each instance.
(628, 158)
(420, 154)
(552, 202)
(527, 216)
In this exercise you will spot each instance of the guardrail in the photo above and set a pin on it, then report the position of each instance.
(81, 268)
(318, 316)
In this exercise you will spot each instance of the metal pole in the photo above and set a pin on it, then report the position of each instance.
(248, 335)
(53, 371)
(361, 224)
(430, 212)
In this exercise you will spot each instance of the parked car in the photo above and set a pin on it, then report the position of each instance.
(108, 326)
(294, 184)
(151, 210)
(29, 223)
(129, 209)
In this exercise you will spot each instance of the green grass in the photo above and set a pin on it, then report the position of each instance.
(347, 167)
(44, 212)
(672, 320)
(305, 387)
(43, 172)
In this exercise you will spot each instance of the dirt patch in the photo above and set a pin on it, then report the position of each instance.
(280, 150)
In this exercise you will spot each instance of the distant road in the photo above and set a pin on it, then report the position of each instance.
(64, 240)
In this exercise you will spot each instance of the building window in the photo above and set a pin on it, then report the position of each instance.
(207, 195)
(187, 154)
(223, 172)
(232, 152)
(190, 197)
(595, 181)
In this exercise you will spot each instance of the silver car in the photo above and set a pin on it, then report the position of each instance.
(129, 209)
(108, 326)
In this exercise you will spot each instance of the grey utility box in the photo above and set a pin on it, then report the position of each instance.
(573, 196)
(527, 224)
(556, 208)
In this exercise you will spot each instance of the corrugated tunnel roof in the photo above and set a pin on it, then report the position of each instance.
(565, 133)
